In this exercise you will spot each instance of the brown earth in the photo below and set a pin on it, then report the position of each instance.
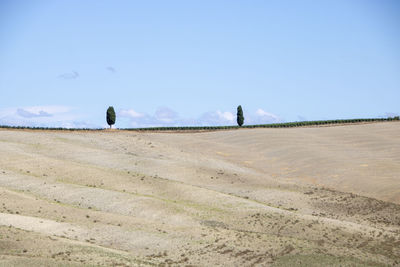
(312, 196)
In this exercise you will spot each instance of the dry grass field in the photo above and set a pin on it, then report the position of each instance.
(312, 196)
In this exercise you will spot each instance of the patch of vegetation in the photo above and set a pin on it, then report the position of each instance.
(322, 260)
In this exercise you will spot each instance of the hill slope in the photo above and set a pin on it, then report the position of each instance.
(253, 196)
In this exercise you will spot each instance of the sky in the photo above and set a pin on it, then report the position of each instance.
(174, 63)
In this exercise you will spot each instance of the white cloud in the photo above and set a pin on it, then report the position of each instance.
(43, 116)
(215, 118)
(26, 114)
(264, 113)
(65, 116)
(50, 109)
(166, 115)
(163, 116)
(130, 113)
(228, 116)
(263, 116)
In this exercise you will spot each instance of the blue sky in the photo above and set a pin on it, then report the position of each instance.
(62, 63)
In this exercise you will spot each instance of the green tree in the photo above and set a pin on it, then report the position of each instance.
(240, 118)
(110, 116)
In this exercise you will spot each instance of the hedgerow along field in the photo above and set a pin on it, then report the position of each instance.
(201, 128)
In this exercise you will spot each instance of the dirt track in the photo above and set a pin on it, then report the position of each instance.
(328, 196)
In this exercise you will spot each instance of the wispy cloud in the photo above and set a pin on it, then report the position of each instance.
(390, 115)
(263, 116)
(163, 116)
(228, 116)
(166, 115)
(69, 75)
(130, 113)
(111, 69)
(214, 118)
(27, 114)
(301, 118)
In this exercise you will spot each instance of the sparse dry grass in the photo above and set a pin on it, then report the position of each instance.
(281, 197)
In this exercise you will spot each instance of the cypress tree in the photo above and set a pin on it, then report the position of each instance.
(240, 118)
(110, 116)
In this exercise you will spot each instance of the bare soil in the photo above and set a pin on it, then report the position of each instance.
(311, 196)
